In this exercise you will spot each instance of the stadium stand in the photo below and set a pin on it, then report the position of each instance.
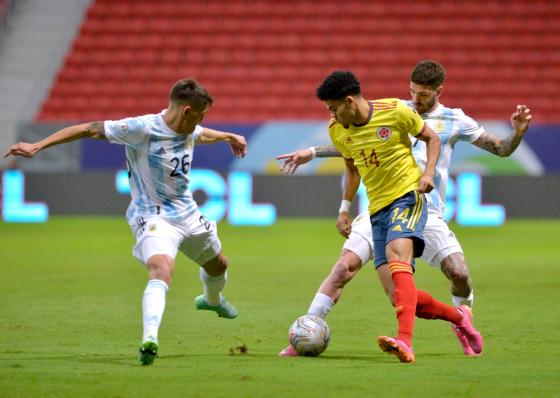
(37, 36)
(263, 59)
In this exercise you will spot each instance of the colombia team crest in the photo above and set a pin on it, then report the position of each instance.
(384, 133)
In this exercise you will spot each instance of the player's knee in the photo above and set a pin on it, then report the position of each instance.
(455, 268)
(459, 277)
(339, 276)
(462, 276)
(160, 267)
(342, 273)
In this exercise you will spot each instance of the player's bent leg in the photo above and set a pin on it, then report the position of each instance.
(427, 307)
(454, 267)
(342, 272)
(213, 276)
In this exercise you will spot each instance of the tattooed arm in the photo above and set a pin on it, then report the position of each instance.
(504, 147)
(67, 134)
(327, 151)
(294, 159)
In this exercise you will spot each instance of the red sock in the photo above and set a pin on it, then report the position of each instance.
(404, 297)
(428, 307)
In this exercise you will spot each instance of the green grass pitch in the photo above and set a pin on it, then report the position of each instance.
(70, 318)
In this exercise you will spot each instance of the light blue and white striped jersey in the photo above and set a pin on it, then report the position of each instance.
(159, 161)
(451, 125)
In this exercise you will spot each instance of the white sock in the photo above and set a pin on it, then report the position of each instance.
(320, 306)
(153, 304)
(213, 286)
(469, 300)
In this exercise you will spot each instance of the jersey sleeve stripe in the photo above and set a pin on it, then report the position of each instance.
(421, 130)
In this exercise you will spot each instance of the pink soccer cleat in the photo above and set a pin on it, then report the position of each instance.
(289, 351)
(396, 347)
(468, 336)
(467, 350)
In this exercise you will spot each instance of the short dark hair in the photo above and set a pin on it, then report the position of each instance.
(428, 73)
(191, 92)
(338, 85)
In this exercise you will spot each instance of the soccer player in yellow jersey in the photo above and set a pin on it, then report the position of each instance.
(373, 139)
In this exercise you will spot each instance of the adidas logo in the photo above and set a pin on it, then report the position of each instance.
(160, 151)
(348, 140)
(397, 228)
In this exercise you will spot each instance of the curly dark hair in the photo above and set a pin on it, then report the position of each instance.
(338, 85)
(191, 92)
(428, 73)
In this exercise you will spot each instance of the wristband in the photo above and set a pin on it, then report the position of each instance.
(313, 152)
(344, 206)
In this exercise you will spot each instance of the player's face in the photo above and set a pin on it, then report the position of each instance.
(194, 115)
(424, 97)
(344, 110)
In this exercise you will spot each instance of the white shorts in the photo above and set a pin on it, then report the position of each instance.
(197, 238)
(360, 241)
(440, 240)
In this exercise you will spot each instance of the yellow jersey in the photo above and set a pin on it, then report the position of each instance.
(382, 151)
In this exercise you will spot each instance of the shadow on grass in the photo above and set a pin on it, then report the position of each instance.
(78, 358)
(130, 360)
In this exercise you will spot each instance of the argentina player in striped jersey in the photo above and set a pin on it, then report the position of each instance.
(163, 214)
(442, 249)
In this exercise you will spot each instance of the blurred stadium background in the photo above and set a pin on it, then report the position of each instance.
(66, 61)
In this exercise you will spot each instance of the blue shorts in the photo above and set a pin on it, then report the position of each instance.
(404, 218)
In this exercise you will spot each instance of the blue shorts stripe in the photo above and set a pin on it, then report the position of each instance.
(404, 218)
(418, 208)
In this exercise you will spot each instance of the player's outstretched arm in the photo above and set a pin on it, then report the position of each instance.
(351, 184)
(433, 147)
(237, 143)
(67, 134)
(520, 120)
(295, 159)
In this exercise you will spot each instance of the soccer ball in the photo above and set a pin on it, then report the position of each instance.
(309, 335)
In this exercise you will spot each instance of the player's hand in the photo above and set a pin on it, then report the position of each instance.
(425, 184)
(520, 119)
(238, 145)
(294, 159)
(22, 149)
(344, 224)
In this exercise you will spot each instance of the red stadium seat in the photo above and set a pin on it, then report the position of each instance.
(269, 51)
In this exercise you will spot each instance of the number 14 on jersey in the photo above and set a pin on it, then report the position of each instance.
(371, 158)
